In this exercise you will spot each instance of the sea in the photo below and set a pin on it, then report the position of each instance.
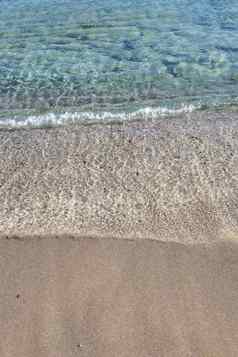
(64, 61)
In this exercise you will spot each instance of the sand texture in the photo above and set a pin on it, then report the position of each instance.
(106, 297)
(120, 240)
(170, 179)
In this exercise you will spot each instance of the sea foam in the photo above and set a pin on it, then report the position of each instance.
(67, 117)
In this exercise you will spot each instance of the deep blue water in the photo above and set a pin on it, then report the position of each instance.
(116, 55)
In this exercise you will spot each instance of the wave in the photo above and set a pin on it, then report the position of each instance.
(58, 119)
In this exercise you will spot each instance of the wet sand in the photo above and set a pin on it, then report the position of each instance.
(170, 179)
(107, 297)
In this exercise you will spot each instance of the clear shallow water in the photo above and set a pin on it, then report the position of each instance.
(109, 56)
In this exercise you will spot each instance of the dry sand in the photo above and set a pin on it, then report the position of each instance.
(63, 297)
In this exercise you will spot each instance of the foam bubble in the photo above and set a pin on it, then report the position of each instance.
(58, 119)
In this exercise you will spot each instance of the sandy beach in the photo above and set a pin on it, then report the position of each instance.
(118, 178)
(107, 297)
(120, 240)
(168, 179)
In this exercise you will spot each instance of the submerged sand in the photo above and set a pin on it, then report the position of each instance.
(171, 179)
(105, 297)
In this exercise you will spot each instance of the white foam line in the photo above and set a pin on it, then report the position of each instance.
(55, 119)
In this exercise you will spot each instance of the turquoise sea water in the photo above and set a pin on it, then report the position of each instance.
(107, 56)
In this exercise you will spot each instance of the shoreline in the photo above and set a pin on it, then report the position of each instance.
(225, 241)
(74, 117)
(170, 179)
